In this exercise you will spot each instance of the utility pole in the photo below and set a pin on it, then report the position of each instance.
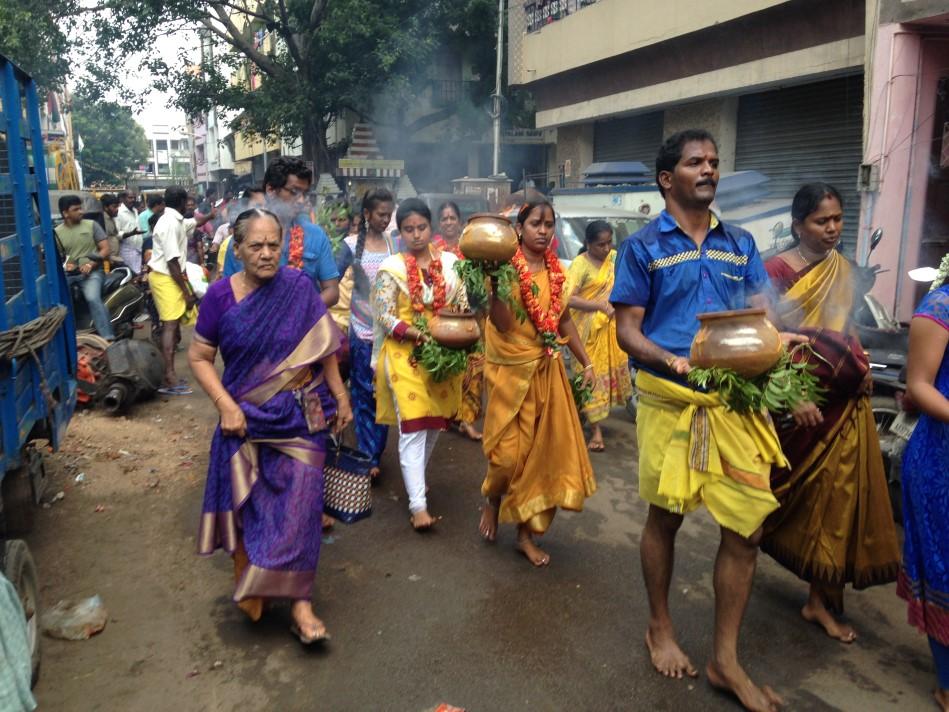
(496, 98)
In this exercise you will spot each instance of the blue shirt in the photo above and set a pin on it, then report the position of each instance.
(318, 261)
(660, 268)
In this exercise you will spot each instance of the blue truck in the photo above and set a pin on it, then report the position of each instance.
(37, 334)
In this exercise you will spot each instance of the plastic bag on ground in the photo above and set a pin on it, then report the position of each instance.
(75, 621)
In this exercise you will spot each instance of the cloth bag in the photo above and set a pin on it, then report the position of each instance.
(346, 483)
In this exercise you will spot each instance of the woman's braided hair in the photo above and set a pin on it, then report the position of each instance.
(370, 201)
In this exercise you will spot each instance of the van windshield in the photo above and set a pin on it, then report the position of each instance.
(571, 231)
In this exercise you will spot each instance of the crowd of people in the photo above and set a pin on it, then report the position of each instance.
(317, 329)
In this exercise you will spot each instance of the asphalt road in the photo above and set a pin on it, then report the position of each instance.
(416, 619)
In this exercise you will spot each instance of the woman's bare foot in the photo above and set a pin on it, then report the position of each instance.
(328, 522)
(666, 655)
(596, 440)
(816, 612)
(488, 527)
(374, 473)
(423, 521)
(306, 626)
(525, 544)
(733, 679)
(942, 699)
(470, 430)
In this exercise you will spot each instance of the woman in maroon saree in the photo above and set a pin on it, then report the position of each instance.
(280, 388)
(835, 523)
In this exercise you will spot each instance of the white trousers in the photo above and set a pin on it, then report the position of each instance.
(415, 450)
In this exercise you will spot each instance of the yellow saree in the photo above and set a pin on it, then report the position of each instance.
(835, 523)
(598, 332)
(537, 459)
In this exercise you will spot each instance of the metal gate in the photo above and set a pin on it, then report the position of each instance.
(632, 138)
(810, 132)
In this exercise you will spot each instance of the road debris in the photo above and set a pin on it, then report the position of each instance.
(75, 621)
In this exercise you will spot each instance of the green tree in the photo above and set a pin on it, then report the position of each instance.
(114, 144)
(33, 39)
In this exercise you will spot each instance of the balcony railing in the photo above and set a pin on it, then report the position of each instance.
(448, 92)
(543, 12)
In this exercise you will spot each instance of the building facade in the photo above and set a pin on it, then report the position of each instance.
(793, 89)
(169, 161)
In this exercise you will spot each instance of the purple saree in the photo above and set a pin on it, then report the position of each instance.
(264, 493)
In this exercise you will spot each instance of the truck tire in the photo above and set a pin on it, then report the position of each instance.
(19, 568)
(16, 491)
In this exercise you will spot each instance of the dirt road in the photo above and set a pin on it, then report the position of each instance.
(416, 619)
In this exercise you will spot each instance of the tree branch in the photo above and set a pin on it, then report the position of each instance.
(316, 13)
(233, 37)
(245, 11)
(290, 36)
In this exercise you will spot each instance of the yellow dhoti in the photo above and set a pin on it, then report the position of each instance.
(692, 450)
(169, 299)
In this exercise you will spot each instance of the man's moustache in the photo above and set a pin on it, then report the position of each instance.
(706, 182)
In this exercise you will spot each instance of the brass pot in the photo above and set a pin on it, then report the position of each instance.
(489, 238)
(454, 330)
(742, 340)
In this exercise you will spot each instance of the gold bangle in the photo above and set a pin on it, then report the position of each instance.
(337, 396)
(214, 402)
(588, 367)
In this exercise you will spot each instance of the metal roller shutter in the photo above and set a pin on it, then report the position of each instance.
(632, 138)
(811, 132)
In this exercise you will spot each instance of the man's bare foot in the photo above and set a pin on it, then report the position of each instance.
(488, 526)
(328, 522)
(821, 616)
(737, 682)
(667, 657)
(423, 521)
(306, 626)
(470, 430)
(525, 544)
(942, 699)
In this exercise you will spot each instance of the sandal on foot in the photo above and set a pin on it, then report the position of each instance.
(309, 639)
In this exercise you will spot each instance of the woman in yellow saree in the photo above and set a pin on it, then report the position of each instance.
(835, 524)
(591, 275)
(532, 435)
(410, 288)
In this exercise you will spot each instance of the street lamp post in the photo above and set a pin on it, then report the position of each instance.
(496, 98)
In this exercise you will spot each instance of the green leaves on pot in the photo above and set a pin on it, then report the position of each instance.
(788, 384)
(441, 362)
(582, 395)
(475, 273)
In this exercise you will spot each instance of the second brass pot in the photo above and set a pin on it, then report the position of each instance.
(742, 340)
(454, 330)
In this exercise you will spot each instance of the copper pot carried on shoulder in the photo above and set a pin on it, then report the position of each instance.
(743, 340)
(454, 329)
(488, 238)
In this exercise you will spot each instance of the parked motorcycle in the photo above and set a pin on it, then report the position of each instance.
(887, 343)
(123, 296)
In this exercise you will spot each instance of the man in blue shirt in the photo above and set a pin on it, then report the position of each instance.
(287, 186)
(682, 264)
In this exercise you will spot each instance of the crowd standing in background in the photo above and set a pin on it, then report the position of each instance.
(311, 309)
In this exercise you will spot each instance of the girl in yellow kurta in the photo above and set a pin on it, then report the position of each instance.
(532, 436)
(410, 286)
(591, 275)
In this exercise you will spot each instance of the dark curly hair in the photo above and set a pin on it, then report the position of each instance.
(670, 152)
(282, 168)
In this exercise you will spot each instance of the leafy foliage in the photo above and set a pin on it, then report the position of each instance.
(33, 39)
(440, 361)
(475, 273)
(581, 394)
(788, 384)
(113, 143)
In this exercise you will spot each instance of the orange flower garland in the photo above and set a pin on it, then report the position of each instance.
(415, 284)
(547, 324)
(295, 249)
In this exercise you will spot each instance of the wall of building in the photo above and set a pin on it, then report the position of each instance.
(574, 144)
(717, 116)
(907, 66)
(613, 27)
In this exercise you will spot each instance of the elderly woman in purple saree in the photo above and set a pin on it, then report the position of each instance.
(281, 386)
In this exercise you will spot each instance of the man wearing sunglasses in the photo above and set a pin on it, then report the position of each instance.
(287, 188)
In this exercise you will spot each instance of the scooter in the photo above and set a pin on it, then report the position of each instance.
(123, 296)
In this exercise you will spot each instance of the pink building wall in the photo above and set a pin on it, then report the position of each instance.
(901, 99)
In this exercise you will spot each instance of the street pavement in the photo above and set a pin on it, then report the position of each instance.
(416, 619)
